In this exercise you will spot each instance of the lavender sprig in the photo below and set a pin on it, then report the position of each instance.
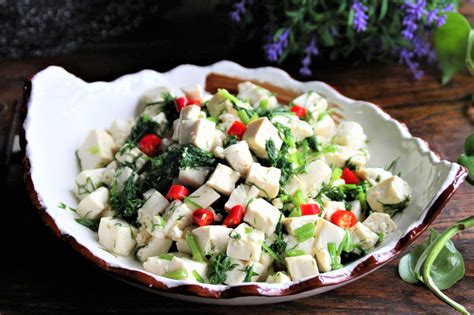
(275, 48)
(310, 50)
(360, 16)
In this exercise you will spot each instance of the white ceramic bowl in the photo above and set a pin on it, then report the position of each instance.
(62, 108)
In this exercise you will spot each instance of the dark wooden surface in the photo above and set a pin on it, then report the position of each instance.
(40, 274)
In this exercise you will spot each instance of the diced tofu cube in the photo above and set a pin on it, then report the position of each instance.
(356, 208)
(311, 101)
(177, 216)
(262, 215)
(119, 130)
(176, 129)
(374, 175)
(217, 104)
(293, 223)
(325, 128)
(241, 196)
(380, 223)
(189, 265)
(132, 157)
(155, 204)
(317, 174)
(237, 274)
(223, 179)
(219, 152)
(292, 243)
(193, 92)
(190, 112)
(300, 129)
(203, 197)
(122, 174)
(212, 239)
(109, 173)
(295, 184)
(162, 122)
(347, 155)
(117, 236)
(324, 260)
(88, 181)
(300, 267)
(266, 260)
(183, 247)
(351, 134)
(266, 179)
(200, 132)
(326, 233)
(226, 121)
(155, 247)
(390, 195)
(193, 177)
(256, 95)
(257, 134)
(239, 157)
(279, 277)
(94, 204)
(143, 237)
(245, 243)
(156, 265)
(361, 234)
(96, 150)
(153, 95)
(332, 206)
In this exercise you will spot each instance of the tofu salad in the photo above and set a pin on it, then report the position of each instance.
(226, 189)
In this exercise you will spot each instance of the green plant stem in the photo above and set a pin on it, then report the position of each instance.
(434, 251)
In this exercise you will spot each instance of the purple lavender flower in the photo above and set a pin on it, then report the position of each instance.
(406, 57)
(360, 16)
(239, 10)
(275, 48)
(310, 50)
(417, 9)
(409, 27)
(438, 17)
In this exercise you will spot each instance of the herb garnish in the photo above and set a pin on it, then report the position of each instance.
(219, 265)
(88, 223)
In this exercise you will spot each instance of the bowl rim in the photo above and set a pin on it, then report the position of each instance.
(140, 278)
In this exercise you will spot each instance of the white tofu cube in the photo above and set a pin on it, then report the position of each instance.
(237, 274)
(212, 239)
(300, 267)
(157, 265)
(361, 234)
(154, 205)
(279, 277)
(311, 101)
(203, 197)
(239, 157)
(390, 195)
(117, 236)
(292, 243)
(262, 215)
(256, 95)
(266, 179)
(193, 92)
(177, 129)
(380, 223)
(153, 95)
(143, 237)
(325, 128)
(374, 175)
(119, 130)
(351, 134)
(94, 204)
(177, 216)
(241, 196)
(190, 266)
(344, 155)
(356, 208)
(326, 233)
(245, 243)
(223, 179)
(190, 112)
(96, 150)
(183, 247)
(257, 134)
(193, 177)
(217, 104)
(199, 132)
(324, 260)
(295, 184)
(317, 174)
(332, 206)
(88, 181)
(109, 173)
(293, 223)
(300, 129)
(155, 247)
(122, 174)
(131, 157)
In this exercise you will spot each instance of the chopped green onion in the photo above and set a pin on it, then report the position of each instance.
(191, 202)
(254, 117)
(212, 118)
(178, 274)
(305, 232)
(295, 252)
(264, 103)
(248, 230)
(336, 174)
(332, 249)
(270, 251)
(224, 93)
(362, 197)
(166, 257)
(243, 116)
(194, 247)
(198, 277)
(297, 199)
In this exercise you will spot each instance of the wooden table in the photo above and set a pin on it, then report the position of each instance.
(41, 274)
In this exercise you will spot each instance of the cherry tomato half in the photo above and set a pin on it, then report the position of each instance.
(343, 218)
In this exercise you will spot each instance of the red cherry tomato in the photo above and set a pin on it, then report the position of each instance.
(203, 217)
(194, 102)
(309, 209)
(349, 177)
(177, 192)
(343, 218)
(181, 102)
(298, 110)
(234, 217)
(150, 144)
(237, 129)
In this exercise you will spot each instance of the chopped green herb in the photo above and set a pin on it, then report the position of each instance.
(235, 235)
(249, 273)
(198, 277)
(219, 265)
(166, 257)
(392, 209)
(305, 232)
(194, 247)
(270, 251)
(88, 223)
(178, 274)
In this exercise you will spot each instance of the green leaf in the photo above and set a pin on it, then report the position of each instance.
(450, 41)
(468, 162)
(383, 9)
(469, 145)
(470, 53)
